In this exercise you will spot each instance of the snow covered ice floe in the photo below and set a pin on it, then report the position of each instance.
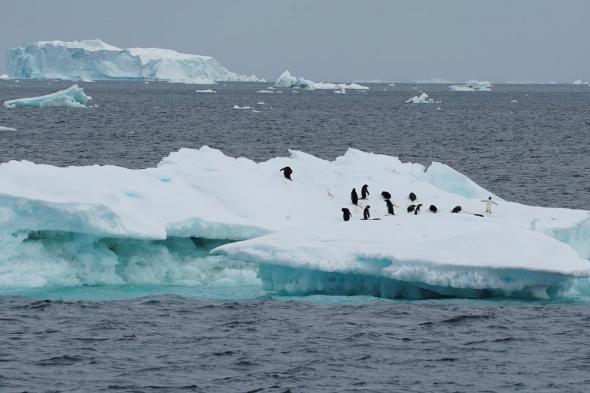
(289, 81)
(97, 60)
(205, 91)
(2, 128)
(181, 221)
(473, 85)
(421, 99)
(72, 97)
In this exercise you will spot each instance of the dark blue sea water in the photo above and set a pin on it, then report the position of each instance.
(235, 337)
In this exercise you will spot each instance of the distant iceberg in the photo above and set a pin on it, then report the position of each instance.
(97, 60)
(3, 76)
(2, 128)
(286, 80)
(421, 99)
(101, 225)
(580, 82)
(473, 85)
(72, 97)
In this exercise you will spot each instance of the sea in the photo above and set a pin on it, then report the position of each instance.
(526, 143)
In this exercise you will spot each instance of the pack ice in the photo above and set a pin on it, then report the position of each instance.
(200, 209)
(73, 97)
(97, 60)
(286, 80)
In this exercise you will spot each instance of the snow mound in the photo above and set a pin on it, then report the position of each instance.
(97, 60)
(289, 81)
(421, 99)
(72, 97)
(473, 85)
(183, 220)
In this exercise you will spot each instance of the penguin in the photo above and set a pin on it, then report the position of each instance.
(417, 209)
(456, 209)
(433, 209)
(386, 195)
(479, 215)
(287, 171)
(389, 207)
(366, 213)
(364, 192)
(346, 214)
(412, 197)
(354, 197)
(411, 208)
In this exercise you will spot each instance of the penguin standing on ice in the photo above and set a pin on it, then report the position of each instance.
(354, 197)
(412, 197)
(411, 208)
(389, 207)
(417, 209)
(433, 209)
(287, 171)
(364, 192)
(385, 195)
(346, 214)
(456, 209)
(366, 213)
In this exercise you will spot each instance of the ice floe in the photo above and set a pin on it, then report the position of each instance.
(72, 97)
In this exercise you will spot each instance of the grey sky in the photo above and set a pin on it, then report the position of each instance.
(500, 40)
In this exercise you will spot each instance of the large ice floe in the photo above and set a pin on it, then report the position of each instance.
(72, 97)
(201, 216)
(286, 80)
(473, 85)
(97, 60)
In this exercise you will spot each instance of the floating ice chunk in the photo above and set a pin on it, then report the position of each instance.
(205, 91)
(260, 103)
(2, 128)
(473, 85)
(580, 82)
(72, 97)
(514, 101)
(289, 81)
(3, 76)
(265, 91)
(97, 60)
(421, 99)
(241, 107)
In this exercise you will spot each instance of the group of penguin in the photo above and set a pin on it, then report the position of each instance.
(413, 208)
(346, 214)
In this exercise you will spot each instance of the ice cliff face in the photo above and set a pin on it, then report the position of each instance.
(97, 60)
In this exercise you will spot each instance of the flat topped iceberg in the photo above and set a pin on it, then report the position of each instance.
(3, 76)
(72, 97)
(293, 231)
(287, 80)
(97, 60)
(473, 85)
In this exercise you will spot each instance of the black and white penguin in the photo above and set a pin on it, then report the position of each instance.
(411, 208)
(412, 197)
(346, 214)
(287, 171)
(389, 207)
(456, 209)
(366, 213)
(385, 195)
(364, 192)
(354, 197)
(433, 209)
(417, 209)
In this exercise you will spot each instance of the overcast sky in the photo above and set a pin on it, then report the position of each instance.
(499, 40)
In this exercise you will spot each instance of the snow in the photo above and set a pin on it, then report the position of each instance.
(292, 231)
(2, 128)
(287, 80)
(72, 97)
(421, 99)
(97, 60)
(473, 85)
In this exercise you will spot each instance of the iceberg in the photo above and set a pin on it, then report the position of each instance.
(287, 80)
(72, 97)
(3, 76)
(183, 222)
(421, 99)
(97, 60)
(2, 128)
(473, 85)
(580, 82)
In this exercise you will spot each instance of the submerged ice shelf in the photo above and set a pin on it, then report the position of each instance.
(112, 225)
